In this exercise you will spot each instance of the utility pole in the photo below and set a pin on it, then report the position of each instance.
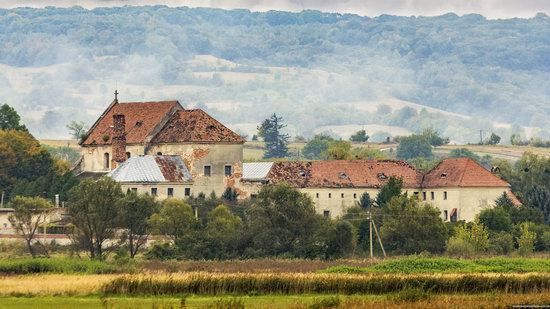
(2, 200)
(481, 137)
(370, 234)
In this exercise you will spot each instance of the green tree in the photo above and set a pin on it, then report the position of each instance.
(475, 234)
(433, 137)
(539, 197)
(391, 189)
(276, 142)
(317, 146)
(359, 137)
(414, 146)
(10, 119)
(526, 240)
(29, 213)
(134, 213)
(230, 195)
(365, 202)
(92, 211)
(340, 242)
(282, 220)
(223, 231)
(496, 219)
(493, 139)
(338, 150)
(412, 227)
(78, 129)
(175, 219)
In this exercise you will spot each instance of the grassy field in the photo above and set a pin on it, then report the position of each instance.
(411, 282)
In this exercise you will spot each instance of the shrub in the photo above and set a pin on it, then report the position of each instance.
(327, 302)
(40, 265)
(459, 247)
(411, 295)
(163, 251)
(501, 243)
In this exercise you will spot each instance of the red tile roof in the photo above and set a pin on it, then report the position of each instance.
(461, 172)
(194, 125)
(513, 198)
(344, 174)
(141, 120)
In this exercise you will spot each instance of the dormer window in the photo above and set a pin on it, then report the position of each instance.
(139, 123)
(342, 175)
(382, 176)
(444, 175)
(302, 173)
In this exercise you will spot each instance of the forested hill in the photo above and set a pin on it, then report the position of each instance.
(54, 61)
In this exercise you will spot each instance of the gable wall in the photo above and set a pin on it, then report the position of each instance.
(93, 156)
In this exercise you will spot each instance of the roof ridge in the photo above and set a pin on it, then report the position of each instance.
(460, 182)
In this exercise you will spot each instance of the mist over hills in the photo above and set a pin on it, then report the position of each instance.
(320, 71)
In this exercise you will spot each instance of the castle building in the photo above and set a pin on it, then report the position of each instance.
(162, 149)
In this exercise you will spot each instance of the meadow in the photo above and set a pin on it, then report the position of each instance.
(412, 282)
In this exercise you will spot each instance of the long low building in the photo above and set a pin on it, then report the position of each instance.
(459, 187)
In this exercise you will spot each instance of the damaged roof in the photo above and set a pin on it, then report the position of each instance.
(461, 172)
(141, 120)
(195, 125)
(154, 169)
(344, 173)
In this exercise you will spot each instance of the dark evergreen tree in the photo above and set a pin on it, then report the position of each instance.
(539, 197)
(359, 137)
(276, 142)
(391, 189)
(365, 202)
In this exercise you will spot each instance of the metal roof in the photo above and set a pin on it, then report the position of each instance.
(256, 170)
(151, 169)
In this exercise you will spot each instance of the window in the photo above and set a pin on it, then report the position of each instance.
(187, 191)
(106, 160)
(170, 192)
(228, 170)
(154, 191)
(454, 215)
(355, 195)
(134, 190)
(317, 195)
(329, 195)
(342, 195)
(424, 196)
(128, 155)
(446, 215)
(207, 170)
(253, 196)
(326, 213)
(159, 153)
(445, 195)
(416, 193)
(433, 195)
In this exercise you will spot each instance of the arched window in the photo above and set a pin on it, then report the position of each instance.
(128, 155)
(159, 153)
(106, 160)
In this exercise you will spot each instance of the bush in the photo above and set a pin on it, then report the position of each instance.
(327, 302)
(459, 247)
(163, 251)
(30, 266)
(501, 243)
(411, 295)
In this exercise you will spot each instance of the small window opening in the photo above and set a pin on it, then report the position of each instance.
(382, 176)
(170, 192)
(355, 195)
(302, 173)
(445, 195)
(187, 192)
(330, 195)
(106, 160)
(128, 155)
(228, 170)
(326, 213)
(207, 170)
(154, 191)
(139, 123)
(342, 195)
(317, 195)
(159, 153)
(432, 195)
(446, 215)
(134, 190)
(342, 175)
(444, 175)
(424, 196)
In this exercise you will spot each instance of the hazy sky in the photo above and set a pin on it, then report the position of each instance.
(488, 8)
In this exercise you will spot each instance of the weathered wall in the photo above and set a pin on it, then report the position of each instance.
(93, 156)
(197, 156)
(162, 189)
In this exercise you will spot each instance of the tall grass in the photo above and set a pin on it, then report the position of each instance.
(241, 284)
(412, 265)
(30, 266)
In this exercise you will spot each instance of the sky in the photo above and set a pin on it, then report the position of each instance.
(489, 8)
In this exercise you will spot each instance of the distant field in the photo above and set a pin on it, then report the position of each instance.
(254, 150)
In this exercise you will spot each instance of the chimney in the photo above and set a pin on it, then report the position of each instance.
(118, 142)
